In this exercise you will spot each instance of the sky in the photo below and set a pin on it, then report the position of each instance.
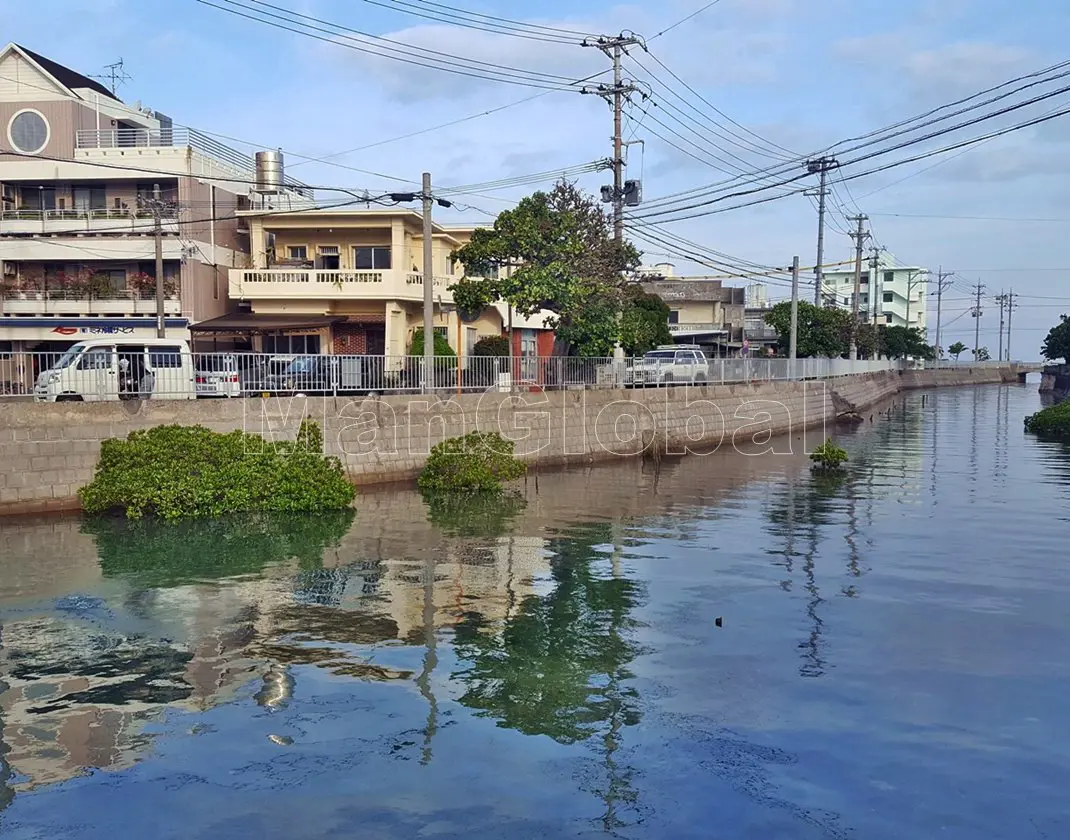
(802, 74)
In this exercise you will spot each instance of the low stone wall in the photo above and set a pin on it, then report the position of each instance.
(49, 450)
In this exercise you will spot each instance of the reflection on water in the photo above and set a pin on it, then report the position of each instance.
(550, 665)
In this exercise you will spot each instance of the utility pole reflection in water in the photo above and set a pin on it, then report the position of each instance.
(423, 682)
(7, 793)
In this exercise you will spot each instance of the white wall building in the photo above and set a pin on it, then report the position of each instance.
(889, 292)
(78, 170)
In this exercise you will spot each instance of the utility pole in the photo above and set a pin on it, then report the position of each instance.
(615, 46)
(1011, 306)
(1001, 299)
(429, 289)
(859, 237)
(161, 329)
(943, 283)
(793, 353)
(912, 281)
(976, 312)
(821, 165)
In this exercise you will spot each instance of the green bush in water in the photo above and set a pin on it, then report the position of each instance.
(478, 462)
(828, 457)
(1052, 422)
(180, 472)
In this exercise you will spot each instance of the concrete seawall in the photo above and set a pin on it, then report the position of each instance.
(48, 451)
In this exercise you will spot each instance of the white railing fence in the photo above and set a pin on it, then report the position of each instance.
(129, 369)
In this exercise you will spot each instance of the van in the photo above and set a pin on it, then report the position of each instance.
(113, 369)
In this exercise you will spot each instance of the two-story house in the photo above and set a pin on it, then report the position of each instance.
(351, 281)
(702, 310)
(82, 177)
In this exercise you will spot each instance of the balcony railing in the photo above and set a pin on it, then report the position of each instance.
(323, 284)
(697, 328)
(77, 302)
(112, 220)
(198, 141)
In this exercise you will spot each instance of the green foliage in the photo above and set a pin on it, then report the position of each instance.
(981, 355)
(822, 331)
(828, 457)
(957, 349)
(475, 463)
(492, 345)
(900, 342)
(1052, 422)
(179, 472)
(161, 554)
(644, 322)
(473, 514)
(442, 344)
(567, 262)
(1057, 343)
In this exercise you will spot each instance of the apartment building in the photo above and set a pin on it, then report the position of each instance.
(351, 281)
(82, 175)
(891, 294)
(702, 310)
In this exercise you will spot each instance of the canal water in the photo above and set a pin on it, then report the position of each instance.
(721, 646)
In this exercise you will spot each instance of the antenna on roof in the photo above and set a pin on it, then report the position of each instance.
(115, 74)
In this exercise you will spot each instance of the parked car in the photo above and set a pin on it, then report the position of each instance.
(218, 375)
(671, 364)
(326, 374)
(101, 369)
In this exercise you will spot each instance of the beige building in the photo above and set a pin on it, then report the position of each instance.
(702, 310)
(347, 281)
(79, 170)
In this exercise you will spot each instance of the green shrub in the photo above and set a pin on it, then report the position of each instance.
(491, 345)
(179, 472)
(1052, 422)
(483, 515)
(476, 463)
(828, 456)
(442, 344)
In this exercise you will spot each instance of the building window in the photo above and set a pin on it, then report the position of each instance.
(368, 258)
(292, 345)
(846, 301)
(493, 272)
(442, 331)
(888, 297)
(887, 319)
(28, 131)
(7, 347)
(865, 279)
(674, 316)
(889, 277)
(297, 252)
(90, 198)
(864, 298)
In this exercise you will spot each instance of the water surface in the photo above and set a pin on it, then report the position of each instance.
(892, 660)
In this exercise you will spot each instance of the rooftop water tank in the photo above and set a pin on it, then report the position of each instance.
(269, 171)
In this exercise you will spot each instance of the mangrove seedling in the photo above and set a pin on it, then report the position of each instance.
(828, 457)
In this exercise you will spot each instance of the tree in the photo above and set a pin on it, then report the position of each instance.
(567, 262)
(821, 331)
(644, 322)
(491, 345)
(981, 355)
(442, 344)
(1057, 344)
(957, 349)
(900, 342)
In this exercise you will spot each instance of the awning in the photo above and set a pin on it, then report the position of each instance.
(249, 323)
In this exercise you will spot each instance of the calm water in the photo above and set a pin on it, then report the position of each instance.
(894, 659)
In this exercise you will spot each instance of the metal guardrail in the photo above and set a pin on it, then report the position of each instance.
(133, 369)
(132, 138)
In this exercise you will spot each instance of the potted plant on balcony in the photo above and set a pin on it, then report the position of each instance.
(143, 284)
(31, 282)
(99, 286)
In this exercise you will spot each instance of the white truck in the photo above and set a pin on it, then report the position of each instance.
(101, 369)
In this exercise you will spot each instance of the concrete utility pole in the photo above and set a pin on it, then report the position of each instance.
(1001, 299)
(161, 328)
(793, 353)
(943, 283)
(429, 289)
(859, 237)
(912, 281)
(820, 165)
(976, 312)
(614, 47)
(1011, 306)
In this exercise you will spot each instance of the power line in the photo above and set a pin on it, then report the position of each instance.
(682, 21)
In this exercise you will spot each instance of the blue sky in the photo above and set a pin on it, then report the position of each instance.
(803, 74)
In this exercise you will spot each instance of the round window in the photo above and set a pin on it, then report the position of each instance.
(28, 132)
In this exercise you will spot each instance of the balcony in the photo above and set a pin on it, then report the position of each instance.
(142, 143)
(323, 285)
(70, 304)
(696, 329)
(40, 222)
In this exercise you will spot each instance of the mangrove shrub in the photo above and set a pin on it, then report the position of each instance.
(180, 472)
(478, 462)
(1052, 422)
(828, 457)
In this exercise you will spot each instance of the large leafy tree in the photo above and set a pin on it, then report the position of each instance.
(1057, 343)
(644, 322)
(899, 342)
(821, 331)
(564, 259)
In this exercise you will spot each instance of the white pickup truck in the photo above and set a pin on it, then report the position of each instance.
(669, 364)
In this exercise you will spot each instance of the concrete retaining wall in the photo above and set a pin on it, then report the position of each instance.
(48, 451)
